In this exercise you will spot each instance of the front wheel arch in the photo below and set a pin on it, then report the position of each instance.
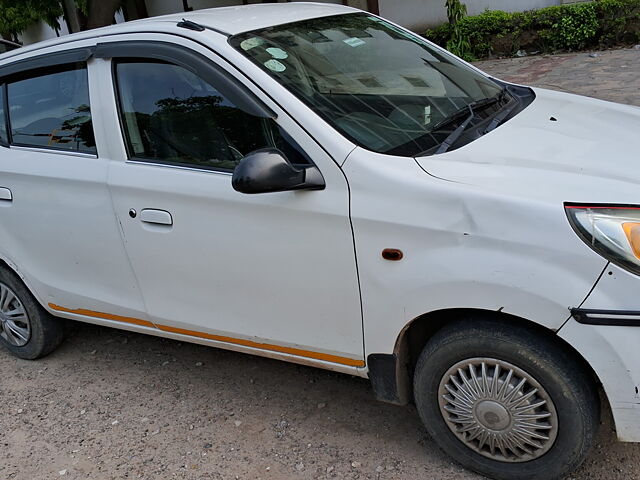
(392, 375)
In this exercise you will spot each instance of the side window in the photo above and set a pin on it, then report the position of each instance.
(51, 109)
(170, 115)
(3, 118)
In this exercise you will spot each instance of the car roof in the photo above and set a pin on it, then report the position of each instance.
(226, 20)
(244, 18)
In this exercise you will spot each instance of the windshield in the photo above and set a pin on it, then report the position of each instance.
(386, 89)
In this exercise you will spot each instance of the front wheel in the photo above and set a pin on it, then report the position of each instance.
(506, 401)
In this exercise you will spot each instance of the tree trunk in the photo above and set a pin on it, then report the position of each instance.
(71, 16)
(101, 12)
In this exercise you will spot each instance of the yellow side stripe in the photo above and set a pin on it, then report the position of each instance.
(106, 316)
(326, 357)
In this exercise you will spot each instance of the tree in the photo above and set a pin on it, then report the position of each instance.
(458, 44)
(17, 15)
(101, 12)
(96, 13)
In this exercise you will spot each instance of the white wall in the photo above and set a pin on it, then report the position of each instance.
(162, 7)
(41, 31)
(418, 14)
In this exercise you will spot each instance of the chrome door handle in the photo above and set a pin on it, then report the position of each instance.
(6, 195)
(157, 217)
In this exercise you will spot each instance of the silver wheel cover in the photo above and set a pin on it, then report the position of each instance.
(498, 410)
(15, 327)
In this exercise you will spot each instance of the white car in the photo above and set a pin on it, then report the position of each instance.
(313, 183)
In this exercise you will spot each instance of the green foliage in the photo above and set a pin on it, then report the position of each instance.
(576, 28)
(83, 6)
(567, 27)
(458, 44)
(18, 15)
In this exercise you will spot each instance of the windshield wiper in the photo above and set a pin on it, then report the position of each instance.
(457, 133)
(499, 118)
(471, 108)
(474, 105)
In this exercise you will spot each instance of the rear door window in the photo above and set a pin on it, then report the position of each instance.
(51, 109)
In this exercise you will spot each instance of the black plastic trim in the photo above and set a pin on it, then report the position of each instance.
(601, 205)
(584, 316)
(76, 55)
(383, 377)
(189, 25)
(199, 64)
(198, 27)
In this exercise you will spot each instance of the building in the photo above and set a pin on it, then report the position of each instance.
(414, 14)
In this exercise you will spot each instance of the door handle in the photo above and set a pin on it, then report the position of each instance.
(157, 217)
(6, 195)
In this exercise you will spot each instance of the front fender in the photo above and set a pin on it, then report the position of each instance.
(464, 247)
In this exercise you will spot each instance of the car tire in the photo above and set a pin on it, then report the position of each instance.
(492, 428)
(26, 329)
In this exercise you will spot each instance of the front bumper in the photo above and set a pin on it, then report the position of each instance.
(605, 330)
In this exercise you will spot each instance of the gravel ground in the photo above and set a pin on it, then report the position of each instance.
(113, 405)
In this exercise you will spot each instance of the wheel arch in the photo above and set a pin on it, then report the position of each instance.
(392, 375)
(8, 265)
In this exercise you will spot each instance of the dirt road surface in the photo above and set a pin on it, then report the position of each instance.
(117, 405)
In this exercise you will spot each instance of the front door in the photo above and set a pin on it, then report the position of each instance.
(273, 272)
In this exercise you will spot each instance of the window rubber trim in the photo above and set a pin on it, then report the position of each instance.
(619, 318)
(195, 62)
(75, 55)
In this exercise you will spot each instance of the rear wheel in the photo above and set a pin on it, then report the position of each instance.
(506, 401)
(26, 329)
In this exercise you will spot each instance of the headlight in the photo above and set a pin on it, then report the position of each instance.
(611, 230)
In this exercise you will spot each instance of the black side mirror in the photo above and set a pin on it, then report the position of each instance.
(267, 170)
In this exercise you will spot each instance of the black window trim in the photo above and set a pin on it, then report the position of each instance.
(74, 55)
(236, 92)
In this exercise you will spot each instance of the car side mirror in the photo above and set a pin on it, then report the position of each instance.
(268, 170)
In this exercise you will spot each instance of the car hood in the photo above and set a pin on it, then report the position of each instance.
(562, 147)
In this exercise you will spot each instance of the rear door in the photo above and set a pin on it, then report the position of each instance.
(56, 217)
(273, 272)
